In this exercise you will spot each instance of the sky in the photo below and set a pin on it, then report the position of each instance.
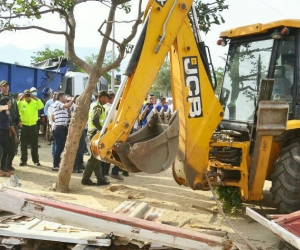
(90, 16)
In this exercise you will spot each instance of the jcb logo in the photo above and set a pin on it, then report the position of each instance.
(161, 2)
(192, 81)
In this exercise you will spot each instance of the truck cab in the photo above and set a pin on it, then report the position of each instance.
(74, 83)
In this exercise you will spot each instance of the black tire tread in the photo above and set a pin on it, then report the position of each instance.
(286, 179)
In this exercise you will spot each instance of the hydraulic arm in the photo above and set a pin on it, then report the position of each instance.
(182, 138)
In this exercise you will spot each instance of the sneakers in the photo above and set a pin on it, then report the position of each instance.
(125, 173)
(88, 182)
(55, 168)
(117, 176)
(22, 164)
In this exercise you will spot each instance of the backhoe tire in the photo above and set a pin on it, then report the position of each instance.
(286, 179)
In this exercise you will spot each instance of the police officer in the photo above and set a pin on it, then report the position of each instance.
(95, 124)
(8, 137)
(28, 106)
(14, 113)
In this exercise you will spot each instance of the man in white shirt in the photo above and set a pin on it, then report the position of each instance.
(60, 131)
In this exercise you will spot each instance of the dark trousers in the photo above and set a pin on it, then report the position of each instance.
(8, 145)
(29, 135)
(16, 144)
(105, 168)
(80, 151)
(60, 136)
(93, 165)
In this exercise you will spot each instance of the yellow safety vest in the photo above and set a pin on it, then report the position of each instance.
(91, 126)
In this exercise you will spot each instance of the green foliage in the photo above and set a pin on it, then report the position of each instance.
(219, 75)
(31, 9)
(126, 7)
(46, 54)
(209, 13)
(162, 82)
(92, 59)
(78, 69)
(230, 198)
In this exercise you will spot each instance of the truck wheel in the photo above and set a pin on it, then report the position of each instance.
(286, 179)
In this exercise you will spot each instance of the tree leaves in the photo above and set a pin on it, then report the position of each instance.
(126, 7)
(209, 13)
(33, 9)
(230, 198)
(162, 82)
(43, 55)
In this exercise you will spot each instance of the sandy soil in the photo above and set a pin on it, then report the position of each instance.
(160, 191)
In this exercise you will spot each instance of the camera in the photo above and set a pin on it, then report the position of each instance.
(28, 95)
(149, 104)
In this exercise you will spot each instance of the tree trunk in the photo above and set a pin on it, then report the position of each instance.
(78, 122)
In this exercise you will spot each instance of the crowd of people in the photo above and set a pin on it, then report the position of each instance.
(23, 113)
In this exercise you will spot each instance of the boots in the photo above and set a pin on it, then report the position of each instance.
(101, 179)
(103, 182)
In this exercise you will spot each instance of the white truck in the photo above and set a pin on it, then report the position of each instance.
(73, 83)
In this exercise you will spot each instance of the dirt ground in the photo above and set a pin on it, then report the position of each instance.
(159, 191)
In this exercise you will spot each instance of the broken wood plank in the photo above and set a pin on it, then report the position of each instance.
(47, 209)
(274, 216)
(275, 228)
(78, 238)
(202, 227)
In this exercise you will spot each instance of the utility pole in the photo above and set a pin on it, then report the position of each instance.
(66, 43)
(112, 60)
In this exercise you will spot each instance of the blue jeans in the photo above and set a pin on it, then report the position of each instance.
(53, 147)
(80, 151)
(60, 136)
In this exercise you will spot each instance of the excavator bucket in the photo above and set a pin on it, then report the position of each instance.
(153, 148)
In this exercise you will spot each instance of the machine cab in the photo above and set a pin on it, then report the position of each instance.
(272, 53)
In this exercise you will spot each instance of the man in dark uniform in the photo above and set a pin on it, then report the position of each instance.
(95, 124)
(14, 112)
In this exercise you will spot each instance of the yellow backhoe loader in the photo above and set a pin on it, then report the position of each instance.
(246, 136)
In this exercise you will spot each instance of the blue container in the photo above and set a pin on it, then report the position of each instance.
(23, 77)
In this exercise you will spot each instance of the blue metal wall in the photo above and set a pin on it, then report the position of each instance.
(23, 77)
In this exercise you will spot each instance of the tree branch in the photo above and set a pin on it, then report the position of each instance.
(122, 46)
(105, 39)
(38, 28)
(60, 12)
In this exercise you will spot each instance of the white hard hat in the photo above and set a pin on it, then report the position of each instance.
(33, 89)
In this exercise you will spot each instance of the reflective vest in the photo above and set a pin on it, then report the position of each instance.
(91, 126)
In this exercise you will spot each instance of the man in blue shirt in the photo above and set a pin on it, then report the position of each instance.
(147, 108)
(162, 103)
